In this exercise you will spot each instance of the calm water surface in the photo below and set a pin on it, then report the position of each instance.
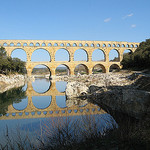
(38, 107)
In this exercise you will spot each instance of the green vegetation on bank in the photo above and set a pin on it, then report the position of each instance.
(10, 65)
(140, 59)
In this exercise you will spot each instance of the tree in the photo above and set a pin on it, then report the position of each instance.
(140, 59)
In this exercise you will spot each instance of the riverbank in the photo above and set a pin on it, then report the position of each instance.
(11, 81)
(127, 93)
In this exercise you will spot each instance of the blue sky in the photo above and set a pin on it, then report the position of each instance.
(104, 20)
(111, 20)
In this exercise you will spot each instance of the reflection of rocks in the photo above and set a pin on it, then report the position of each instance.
(8, 82)
(75, 101)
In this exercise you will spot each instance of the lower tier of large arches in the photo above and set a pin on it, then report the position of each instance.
(64, 68)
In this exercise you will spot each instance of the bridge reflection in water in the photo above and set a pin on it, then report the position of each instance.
(73, 107)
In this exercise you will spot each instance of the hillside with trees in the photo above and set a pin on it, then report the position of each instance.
(10, 65)
(140, 59)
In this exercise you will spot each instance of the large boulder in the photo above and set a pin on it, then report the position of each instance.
(75, 89)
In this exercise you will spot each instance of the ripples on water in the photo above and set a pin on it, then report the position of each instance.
(36, 107)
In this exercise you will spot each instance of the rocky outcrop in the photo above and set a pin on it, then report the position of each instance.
(118, 92)
(8, 82)
(134, 102)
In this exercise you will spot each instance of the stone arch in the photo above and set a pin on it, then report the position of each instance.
(55, 44)
(19, 53)
(104, 45)
(118, 45)
(132, 45)
(40, 52)
(41, 103)
(74, 45)
(127, 51)
(62, 55)
(114, 68)
(127, 45)
(62, 69)
(122, 45)
(109, 45)
(98, 45)
(5, 44)
(98, 55)
(49, 44)
(92, 45)
(80, 45)
(11, 44)
(86, 45)
(41, 72)
(62, 44)
(81, 69)
(78, 55)
(43, 44)
(18, 44)
(114, 55)
(25, 44)
(37, 44)
(68, 45)
(113, 45)
(31, 44)
(22, 105)
(98, 68)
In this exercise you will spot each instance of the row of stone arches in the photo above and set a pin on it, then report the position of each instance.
(64, 55)
(81, 69)
(45, 44)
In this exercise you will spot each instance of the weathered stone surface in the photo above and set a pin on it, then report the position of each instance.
(117, 91)
(8, 82)
(74, 89)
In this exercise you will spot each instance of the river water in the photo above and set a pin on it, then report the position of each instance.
(38, 109)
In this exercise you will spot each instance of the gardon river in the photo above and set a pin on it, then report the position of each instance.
(39, 110)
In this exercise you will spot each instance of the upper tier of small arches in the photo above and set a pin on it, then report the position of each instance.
(67, 44)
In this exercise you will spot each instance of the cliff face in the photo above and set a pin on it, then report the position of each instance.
(125, 95)
(8, 82)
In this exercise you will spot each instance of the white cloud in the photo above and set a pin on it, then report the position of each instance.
(133, 25)
(129, 15)
(107, 19)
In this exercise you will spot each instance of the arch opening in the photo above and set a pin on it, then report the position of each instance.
(41, 102)
(62, 70)
(42, 83)
(19, 53)
(62, 55)
(81, 69)
(80, 55)
(36, 55)
(114, 68)
(99, 68)
(114, 56)
(98, 55)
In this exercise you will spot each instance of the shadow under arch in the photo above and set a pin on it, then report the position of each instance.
(98, 68)
(42, 83)
(81, 69)
(35, 57)
(81, 55)
(62, 52)
(114, 68)
(98, 55)
(62, 69)
(21, 54)
(114, 55)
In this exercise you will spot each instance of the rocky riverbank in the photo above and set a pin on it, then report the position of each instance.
(126, 93)
(11, 81)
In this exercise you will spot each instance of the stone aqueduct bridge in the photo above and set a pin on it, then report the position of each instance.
(29, 46)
